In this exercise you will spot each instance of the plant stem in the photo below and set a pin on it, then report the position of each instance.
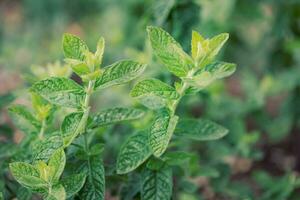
(86, 111)
(181, 93)
(42, 130)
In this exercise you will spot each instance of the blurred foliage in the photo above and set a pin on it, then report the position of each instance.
(260, 104)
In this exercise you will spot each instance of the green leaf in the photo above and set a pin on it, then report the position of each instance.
(157, 184)
(197, 44)
(200, 129)
(169, 51)
(154, 87)
(201, 80)
(119, 73)
(25, 116)
(60, 91)
(177, 158)
(27, 175)
(69, 127)
(161, 132)
(154, 93)
(94, 187)
(24, 194)
(6, 99)
(57, 192)
(74, 47)
(73, 184)
(115, 115)
(57, 162)
(42, 150)
(219, 70)
(100, 50)
(216, 43)
(133, 153)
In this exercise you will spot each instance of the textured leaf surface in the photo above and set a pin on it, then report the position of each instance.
(94, 187)
(25, 115)
(27, 175)
(57, 192)
(42, 150)
(197, 44)
(60, 91)
(161, 132)
(73, 184)
(119, 73)
(73, 47)
(220, 69)
(152, 101)
(200, 129)
(133, 153)
(177, 158)
(154, 87)
(216, 43)
(169, 51)
(157, 184)
(114, 115)
(69, 127)
(57, 163)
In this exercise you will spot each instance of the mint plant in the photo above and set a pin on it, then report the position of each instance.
(149, 147)
(42, 171)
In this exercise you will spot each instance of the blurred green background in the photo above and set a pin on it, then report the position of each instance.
(260, 103)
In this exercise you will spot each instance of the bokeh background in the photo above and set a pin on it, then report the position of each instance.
(259, 104)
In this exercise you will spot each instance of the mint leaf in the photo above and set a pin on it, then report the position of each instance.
(133, 153)
(27, 175)
(25, 118)
(177, 158)
(119, 73)
(42, 150)
(154, 87)
(60, 91)
(169, 51)
(57, 192)
(200, 129)
(114, 115)
(73, 184)
(219, 70)
(94, 187)
(216, 43)
(69, 127)
(198, 46)
(157, 184)
(74, 47)
(161, 132)
(57, 164)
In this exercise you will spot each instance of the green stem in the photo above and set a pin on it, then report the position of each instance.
(86, 111)
(42, 130)
(181, 93)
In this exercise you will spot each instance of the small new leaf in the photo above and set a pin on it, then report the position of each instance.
(200, 129)
(60, 91)
(74, 47)
(119, 73)
(115, 115)
(133, 153)
(169, 52)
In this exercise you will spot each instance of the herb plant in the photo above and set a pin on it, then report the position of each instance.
(42, 174)
(149, 146)
(149, 152)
